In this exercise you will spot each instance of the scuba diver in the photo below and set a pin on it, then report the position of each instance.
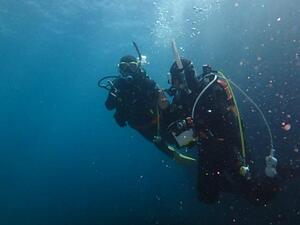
(139, 103)
(204, 113)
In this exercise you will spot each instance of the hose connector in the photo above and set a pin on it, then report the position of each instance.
(157, 139)
(271, 164)
(245, 172)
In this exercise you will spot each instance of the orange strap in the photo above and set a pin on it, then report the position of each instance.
(227, 90)
(224, 85)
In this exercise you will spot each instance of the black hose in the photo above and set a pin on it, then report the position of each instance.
(105, 86)
(137, 50)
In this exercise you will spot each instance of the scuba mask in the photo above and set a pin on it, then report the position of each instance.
(128, 67)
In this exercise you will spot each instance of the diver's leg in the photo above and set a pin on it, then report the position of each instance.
(208, 188)
(262, 192)
(148, 133)
(208, 191)
(287, 172)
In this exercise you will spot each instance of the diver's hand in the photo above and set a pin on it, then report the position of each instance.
(162, 100)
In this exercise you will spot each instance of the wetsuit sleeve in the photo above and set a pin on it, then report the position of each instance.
(112, 98)
(114, 101)
(111, 101)
(152, 89)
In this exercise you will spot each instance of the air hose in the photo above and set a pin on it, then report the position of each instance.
(109, 84)
(200, 95)
(271, 161)
(244, 170)
(238, 117)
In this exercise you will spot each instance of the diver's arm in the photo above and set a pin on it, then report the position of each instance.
(114, 94)
(111, 101)
(162, 100)
(156, 94)
(151, 89)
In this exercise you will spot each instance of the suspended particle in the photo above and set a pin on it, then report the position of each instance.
(278, 19)
(297, 58)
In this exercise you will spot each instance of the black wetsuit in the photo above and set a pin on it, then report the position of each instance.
(219, 143)
(135, 101)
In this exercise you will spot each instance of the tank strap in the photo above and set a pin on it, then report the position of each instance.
(226, 88)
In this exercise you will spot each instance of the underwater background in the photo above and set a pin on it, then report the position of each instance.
(64, 160)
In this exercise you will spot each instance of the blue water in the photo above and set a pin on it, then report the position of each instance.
(63, 159)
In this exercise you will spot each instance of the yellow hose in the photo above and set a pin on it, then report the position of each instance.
(239, 119)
